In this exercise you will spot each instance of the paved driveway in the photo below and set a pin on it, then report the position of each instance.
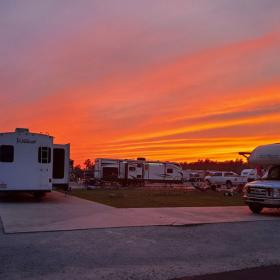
(60, 212)
(139, 253)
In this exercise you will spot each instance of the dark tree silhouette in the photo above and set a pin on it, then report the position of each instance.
(231, 165)
(88, 164)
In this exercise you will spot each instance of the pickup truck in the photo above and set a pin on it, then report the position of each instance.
(229, 179)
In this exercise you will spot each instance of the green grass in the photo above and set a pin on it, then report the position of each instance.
(145, 198)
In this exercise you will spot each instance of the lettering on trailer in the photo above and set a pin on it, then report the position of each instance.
(25, 141)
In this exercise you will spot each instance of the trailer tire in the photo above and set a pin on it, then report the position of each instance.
(39, 195)
(256, 209)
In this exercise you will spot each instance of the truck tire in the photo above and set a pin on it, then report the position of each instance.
(256, 209)
(229, 184)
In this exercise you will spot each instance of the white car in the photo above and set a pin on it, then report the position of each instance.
(251, 174)
(226, 178)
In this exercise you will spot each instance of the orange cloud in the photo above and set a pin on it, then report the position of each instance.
(158, 111)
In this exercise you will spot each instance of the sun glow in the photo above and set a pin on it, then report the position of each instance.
(129, 83)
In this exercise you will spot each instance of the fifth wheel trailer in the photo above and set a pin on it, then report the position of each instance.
(29, 163)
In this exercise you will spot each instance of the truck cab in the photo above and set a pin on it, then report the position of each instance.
(264, 192)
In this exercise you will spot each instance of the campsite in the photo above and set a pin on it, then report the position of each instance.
(139, 140)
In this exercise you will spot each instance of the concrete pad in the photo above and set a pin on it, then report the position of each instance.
(59, 212)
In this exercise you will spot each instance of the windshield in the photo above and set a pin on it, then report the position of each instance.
(217, 174)
(273, 173)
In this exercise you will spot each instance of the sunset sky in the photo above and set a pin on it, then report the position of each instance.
(176, 80)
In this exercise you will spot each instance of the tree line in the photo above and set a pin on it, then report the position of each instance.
(206, 164)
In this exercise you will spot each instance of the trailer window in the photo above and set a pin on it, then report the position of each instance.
(229, 174)
(169, 170)
(6, 153)
(44, 155)
(131, 168)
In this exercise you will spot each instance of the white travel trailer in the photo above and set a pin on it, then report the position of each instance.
(266, 191)
(28, 162)
(152, 171)
(138, 170)
(162, 172)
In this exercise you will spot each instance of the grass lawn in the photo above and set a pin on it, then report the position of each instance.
(145, 198)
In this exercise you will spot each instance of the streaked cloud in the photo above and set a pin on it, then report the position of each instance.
(174, 80)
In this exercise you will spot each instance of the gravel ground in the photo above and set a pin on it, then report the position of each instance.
(139, 253)
(258, 273)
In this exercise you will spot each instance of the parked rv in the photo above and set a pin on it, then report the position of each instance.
(137, 171)
(264, 192)
(31, 162)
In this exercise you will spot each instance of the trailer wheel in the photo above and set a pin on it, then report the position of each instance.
(256, 209)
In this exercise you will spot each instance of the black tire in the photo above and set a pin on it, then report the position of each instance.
(256, 209)
(229, 184)
(39, 195)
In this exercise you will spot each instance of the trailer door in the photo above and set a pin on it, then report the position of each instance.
(44, 159)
